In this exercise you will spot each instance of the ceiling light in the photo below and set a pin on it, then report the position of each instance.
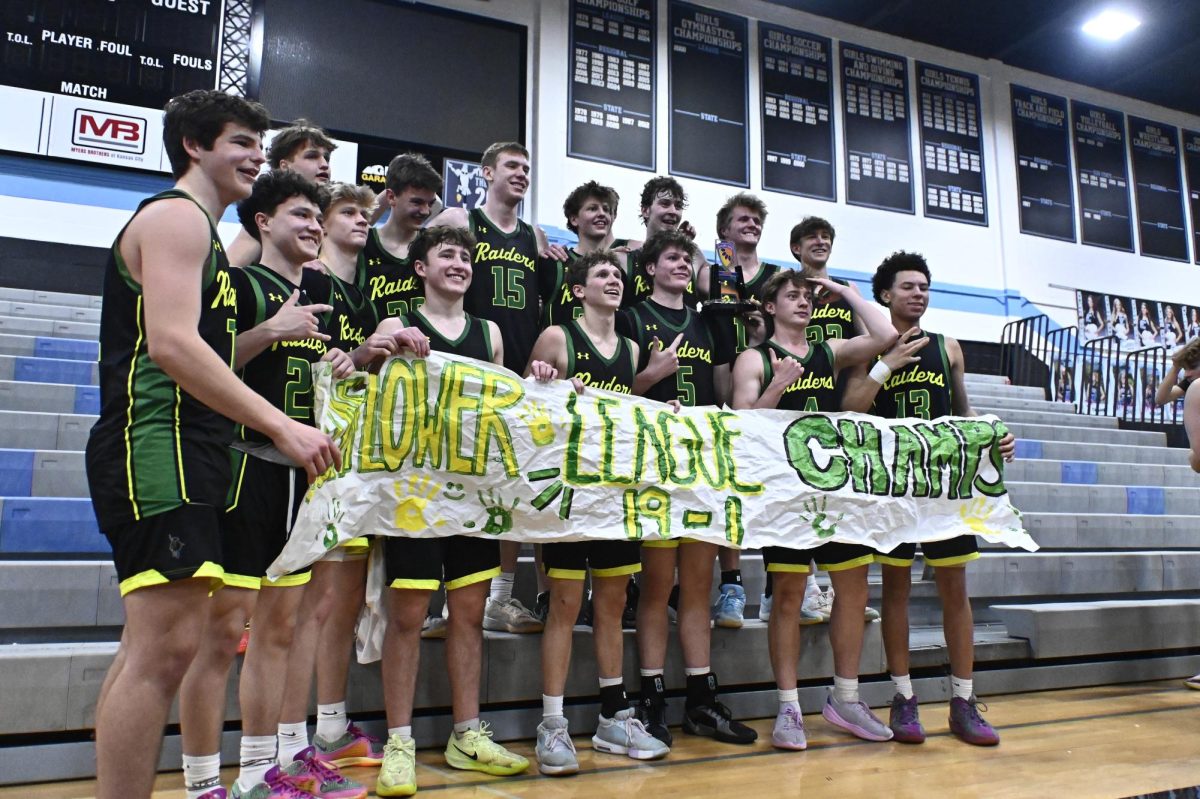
(1111, 25)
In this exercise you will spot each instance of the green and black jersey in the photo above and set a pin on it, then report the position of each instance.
(353, 316)
(816, 389)
(282, 373)
(693, 383)
(504, 286)
(923, 390)
(391, 283)
(754, 289)
(559, 303)
(475, 340)
(155, 447)
(585, 362)
(831, 320)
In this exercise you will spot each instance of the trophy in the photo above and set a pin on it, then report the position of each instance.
(726, 285)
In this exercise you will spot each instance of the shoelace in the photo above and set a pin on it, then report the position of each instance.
(559, 739)
(634, 727)
(281, 787)
(324, 771)
(908, 713)
(357, 732)
(792, 720)
(976, 706)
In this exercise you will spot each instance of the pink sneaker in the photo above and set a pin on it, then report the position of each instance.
(354, 748)
(309, 773)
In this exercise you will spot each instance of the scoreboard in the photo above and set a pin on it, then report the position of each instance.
(87, 79)
(135, 52)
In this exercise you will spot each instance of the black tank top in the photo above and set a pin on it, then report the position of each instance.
(282, 373)
(586, 362)
(693, 384)
(475, 340)
(832, 320)
(816, 389)
(504, 285)
(155, 447)
(391, 284)
(923, 390)
(353, 316)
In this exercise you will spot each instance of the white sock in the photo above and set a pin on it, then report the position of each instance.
(404, 732)
(502, 586)
(700, 672)
(963, 689)
(293, 739)
(651, 672)
(811, 590)
(788, 698)
(903, 685)
(331, 721)
(845, 689)
(552, 706)
(256, 757)
(607, 682)
(461, 727)
(201, 774)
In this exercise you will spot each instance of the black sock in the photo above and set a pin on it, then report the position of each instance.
(701, 689)
(769, 586)
(731, 577)
(612, 700)
(653, 688)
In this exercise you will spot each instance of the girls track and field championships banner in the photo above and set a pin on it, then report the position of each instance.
(449, 445)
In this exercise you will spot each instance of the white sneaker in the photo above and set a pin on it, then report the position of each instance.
(555, 750)
(510, 617)
(764, 607)
(817, 608)
(624, 734)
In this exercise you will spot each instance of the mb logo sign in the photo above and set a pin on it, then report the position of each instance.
(109, 131)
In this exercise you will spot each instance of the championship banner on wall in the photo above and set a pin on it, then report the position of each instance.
(450, 445)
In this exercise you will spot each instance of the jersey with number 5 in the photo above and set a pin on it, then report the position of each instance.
(920, 391)
(282, 373)
(693, 383)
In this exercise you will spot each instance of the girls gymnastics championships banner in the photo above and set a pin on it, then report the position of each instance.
(450, 445)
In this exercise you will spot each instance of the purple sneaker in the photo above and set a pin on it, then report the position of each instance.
(215, 793)
(968, 725)
(905, 721)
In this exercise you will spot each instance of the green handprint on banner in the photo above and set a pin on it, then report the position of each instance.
(500, 518)
(813, 512)
(336, 514)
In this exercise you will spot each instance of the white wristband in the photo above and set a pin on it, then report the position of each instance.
(880, 372)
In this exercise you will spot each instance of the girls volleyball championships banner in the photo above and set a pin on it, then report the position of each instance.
(449, 446)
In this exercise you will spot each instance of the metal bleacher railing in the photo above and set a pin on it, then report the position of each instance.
(1098, 376)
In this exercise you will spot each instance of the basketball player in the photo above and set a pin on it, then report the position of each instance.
(740, 221)
(282, 339)
(326, 621)
(591, 211)
(167, 352)
(811, 242)
(793, 372)
(301, 147)
(922, 378)
(589, 352)
(441, 257)
(663, 203)
(679, 363)
(411, 197)
(506, 292)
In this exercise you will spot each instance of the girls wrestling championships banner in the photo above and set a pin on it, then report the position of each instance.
(450, 445)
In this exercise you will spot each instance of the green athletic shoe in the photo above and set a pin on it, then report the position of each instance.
(398, 774)
(476, 751)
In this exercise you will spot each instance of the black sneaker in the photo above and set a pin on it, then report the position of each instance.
(541, 608)
(652, 712)
(629, 615)
(584, 619)
(713, 720)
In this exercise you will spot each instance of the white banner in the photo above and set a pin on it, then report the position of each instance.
(449, 446)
